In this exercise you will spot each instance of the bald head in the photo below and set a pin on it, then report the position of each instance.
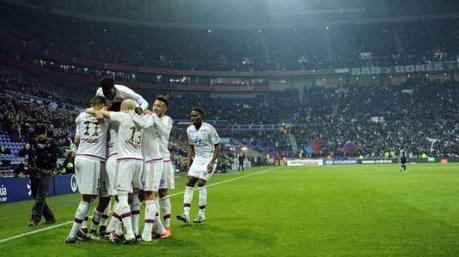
(127, 105)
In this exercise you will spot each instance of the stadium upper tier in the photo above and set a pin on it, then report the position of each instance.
(296, 49)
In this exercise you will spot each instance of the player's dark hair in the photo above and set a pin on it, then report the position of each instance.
(98, 100)
(106, 83)
(115, 106)
(198, 109)
(163, 99)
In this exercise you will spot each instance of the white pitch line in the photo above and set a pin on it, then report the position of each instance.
(35, 231)
(229, 180)
(172, 195)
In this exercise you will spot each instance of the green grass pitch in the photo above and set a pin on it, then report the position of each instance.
(364, 210)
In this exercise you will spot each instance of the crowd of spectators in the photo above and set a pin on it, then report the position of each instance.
(58, 92)
(273, 107)
(273, 143)
(377, 119)
(238, 50)
(20, 115)
(270, 108)
(418, 115)
(365, 120)
(29, 100)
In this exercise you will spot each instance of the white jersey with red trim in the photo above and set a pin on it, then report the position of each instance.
(203, 140)
(93, 136)
(113, 138)
(150, 141)
(129, 135)
(165, 127)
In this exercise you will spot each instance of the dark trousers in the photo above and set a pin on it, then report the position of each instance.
(39, 185)
(241, 166)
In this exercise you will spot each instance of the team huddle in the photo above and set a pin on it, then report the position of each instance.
(123, 155)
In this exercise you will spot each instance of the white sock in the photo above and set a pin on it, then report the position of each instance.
(124, 212)
(135, 210)
(115, 222)
(150, 213)
(166, 201)
(187, 199)
(158, 226)
(96, 216)
(202, 200)
(80, 214)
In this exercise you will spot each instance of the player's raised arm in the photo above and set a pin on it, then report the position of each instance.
(142, 121)
(102, 114)
(164, 126)
(100, 92)
(129, 93)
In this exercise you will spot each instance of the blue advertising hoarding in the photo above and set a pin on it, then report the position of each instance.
(18, 189)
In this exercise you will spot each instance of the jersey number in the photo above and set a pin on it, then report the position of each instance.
(91, 127)
(136, 136)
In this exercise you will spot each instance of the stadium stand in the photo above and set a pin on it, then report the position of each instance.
(53, 65)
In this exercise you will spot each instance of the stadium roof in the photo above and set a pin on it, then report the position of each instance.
(256, 14)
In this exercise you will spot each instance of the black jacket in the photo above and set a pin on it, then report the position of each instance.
(42, 155)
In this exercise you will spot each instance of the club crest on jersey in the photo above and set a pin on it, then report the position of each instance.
(198, 141)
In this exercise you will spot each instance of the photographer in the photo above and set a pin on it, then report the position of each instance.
(42, 157)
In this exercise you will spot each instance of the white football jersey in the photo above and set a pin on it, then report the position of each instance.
(129, 135)
(113, 138)
(203, 139)
(150, 141)
(165, 127)
(93, 136)
(123, 93)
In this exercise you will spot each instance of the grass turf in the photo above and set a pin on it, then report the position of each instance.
(365, 210)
